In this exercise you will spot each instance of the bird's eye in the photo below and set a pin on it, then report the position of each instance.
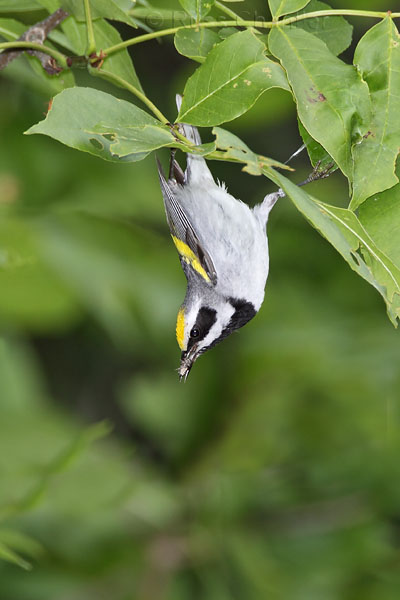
(195, 332)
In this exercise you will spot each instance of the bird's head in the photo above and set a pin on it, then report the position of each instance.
(203, 324)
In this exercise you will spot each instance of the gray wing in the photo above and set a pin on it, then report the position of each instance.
(181, 227)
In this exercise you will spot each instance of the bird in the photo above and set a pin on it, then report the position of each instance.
(223, 249)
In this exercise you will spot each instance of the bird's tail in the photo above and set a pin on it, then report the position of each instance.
(262, 210)
(196, 168)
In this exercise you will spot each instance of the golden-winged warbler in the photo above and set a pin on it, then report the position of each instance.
(223, 249)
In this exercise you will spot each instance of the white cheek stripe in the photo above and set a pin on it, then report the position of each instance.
(190, 318)
(224, 314)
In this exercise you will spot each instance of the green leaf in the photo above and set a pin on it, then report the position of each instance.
(51, 5)
(378, 58)
(196, 44)
(380, 215)
(285, 7)
(336, 32)
(197, 9)
(117, 10)
(346, 233)
(74, 120)
(226, 32)
(76, 34)
(71, 37)
(333, 102)
(234, 149)
(11, 556)
(20, 542)
(136, 141)
(11, 29)
(233, 76)
(315, 151)
(12, 6)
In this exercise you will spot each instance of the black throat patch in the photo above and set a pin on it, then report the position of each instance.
(244, 312)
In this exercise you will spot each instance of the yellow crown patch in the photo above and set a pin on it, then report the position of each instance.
(180, 328)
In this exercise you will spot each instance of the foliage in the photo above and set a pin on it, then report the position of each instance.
(273, 472)
(349, 110)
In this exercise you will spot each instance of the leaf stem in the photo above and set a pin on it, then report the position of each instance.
(134, 90)
(243, 23)
(131, 88)
(181, 137)
(60, 58)
(228, 11)
(91, 42)
(164, 32)
(338, 12)
(163, 14)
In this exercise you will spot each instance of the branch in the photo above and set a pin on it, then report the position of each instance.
(249, 24)
(35, 36)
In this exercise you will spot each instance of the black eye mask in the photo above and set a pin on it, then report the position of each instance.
(206, 318)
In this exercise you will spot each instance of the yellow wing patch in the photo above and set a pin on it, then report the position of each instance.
(189, 256)
(180, 328)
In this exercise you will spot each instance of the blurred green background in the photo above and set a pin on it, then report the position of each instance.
(273, 472)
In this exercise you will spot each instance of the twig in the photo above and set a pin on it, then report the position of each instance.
(91, 43)
(249, 24)
(131, 88)
(37, 35)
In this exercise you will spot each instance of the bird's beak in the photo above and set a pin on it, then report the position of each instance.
(187, 361)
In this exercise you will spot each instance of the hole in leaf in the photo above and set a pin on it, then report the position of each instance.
(357, 256)
(96, 144)
(109, 136)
